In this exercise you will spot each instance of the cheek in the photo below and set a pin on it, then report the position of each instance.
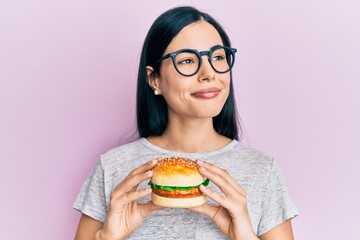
(226, 82)
(175, 90)
(172, 81)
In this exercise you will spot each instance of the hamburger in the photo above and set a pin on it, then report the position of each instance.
(175, 183)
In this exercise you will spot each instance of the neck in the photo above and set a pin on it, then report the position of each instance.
(196, 135)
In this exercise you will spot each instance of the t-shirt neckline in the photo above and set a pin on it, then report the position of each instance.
(194, 155)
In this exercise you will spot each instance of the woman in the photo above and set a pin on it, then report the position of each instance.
(186, 108)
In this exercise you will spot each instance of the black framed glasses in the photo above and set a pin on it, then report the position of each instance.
(187, 62)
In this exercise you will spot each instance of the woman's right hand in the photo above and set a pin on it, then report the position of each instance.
(125, 214)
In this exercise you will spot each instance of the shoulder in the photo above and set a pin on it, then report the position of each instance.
(251, 156)
(248, 163)
(122, 154)
(125, 148)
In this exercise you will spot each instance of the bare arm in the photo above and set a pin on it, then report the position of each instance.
(87, 228)
(282, 231)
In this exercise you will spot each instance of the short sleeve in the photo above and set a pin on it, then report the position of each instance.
(277, 205)
(91, 198)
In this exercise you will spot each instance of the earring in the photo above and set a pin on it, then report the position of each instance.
(156, 92)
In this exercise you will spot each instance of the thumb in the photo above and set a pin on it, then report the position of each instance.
(147, 208)
(206, 209)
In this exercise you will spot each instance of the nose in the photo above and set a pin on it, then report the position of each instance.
(206, 71)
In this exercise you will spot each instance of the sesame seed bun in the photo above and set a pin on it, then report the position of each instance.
(176, 171)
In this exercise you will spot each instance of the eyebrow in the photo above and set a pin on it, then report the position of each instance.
(212, 48)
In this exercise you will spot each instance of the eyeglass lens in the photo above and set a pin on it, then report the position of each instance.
(188, 62)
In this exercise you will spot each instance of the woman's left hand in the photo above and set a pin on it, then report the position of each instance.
(231, 215)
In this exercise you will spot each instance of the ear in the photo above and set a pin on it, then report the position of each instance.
(152, 78)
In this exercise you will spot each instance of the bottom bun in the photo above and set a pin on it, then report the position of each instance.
(178, 202)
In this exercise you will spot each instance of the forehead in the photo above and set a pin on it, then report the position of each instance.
(200, 35)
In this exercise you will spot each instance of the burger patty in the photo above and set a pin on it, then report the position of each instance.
(193, 192)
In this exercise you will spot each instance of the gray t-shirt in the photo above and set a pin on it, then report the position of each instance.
(268, 200)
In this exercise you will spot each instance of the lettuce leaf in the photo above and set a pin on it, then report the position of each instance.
(172, 188)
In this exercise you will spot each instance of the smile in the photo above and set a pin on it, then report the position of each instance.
(206, 93)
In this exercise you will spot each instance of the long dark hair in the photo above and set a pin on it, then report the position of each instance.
(152, 110)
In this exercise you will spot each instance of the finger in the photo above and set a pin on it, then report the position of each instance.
(145, 167)
(216, 170)
(220, 177)
(142, 169)
(134, 196)
(131, 183)
(206, 209)
(218, 181)
(220, 199)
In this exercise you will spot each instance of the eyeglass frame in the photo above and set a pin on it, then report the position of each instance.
(199, 54)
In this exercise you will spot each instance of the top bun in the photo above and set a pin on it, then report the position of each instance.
(176, 172)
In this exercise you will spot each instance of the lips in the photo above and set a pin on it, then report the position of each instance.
(206, 93)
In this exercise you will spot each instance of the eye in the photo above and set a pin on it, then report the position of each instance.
(218, 57)
(186, 61)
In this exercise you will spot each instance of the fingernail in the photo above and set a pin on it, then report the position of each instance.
(148, 173)
(199, 162)
(202, 169)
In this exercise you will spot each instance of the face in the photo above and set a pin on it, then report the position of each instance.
(199, 96)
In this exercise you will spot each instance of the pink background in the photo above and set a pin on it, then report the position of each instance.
(67, 94)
